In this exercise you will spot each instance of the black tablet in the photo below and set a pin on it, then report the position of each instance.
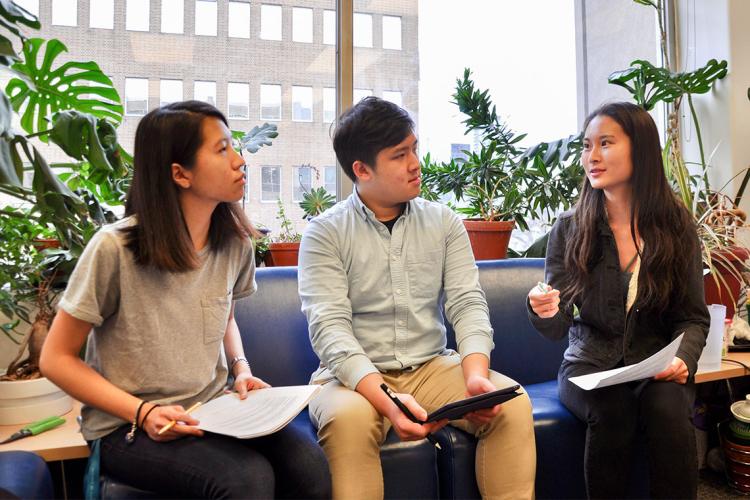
(457, 409)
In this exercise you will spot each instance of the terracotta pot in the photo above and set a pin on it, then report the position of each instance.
(725, 288)
(282, 254)
(45, 243)
(489, 239)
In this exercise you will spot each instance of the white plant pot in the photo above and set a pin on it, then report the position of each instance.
(24, 401)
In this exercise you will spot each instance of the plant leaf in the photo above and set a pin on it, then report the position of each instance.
(258, 137)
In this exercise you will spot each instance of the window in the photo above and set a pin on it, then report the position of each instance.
(302, 25)
(102, 14)
(329, 179)
(457, 151)
(270, 102)
(301, 181)
(31, 6)
(270, 22)
(393, 96)
(172, 16)
(239, 20)
(362, 30)
(301, 104)
(64, 12)
(205, 91)
(136, 96)
(391, 32)
(270, 183)
(238, 101)
(329, 105)
(359, 94)
(205, 17)
(137, 15)
(169, 91)
(329, 27)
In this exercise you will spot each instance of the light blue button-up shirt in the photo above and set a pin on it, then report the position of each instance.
(372, 298)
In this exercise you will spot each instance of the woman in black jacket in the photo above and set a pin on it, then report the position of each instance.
(624, 279)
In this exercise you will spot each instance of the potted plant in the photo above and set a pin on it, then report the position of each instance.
(283, 250)
(316, 201)
(503, 184)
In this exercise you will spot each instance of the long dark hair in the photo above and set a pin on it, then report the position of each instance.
(663, 221)
(160, 238)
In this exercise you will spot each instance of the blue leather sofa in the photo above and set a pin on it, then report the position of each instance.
(274, 334)
(24, 475)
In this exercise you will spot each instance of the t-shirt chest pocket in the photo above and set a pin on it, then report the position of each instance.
(215, 316)
(425, 273)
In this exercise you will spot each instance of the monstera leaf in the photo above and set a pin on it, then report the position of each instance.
(10, 171)
(74, 85)
(650, 85)
(258, 137)
(10, 16)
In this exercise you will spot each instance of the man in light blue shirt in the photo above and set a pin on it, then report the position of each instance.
(373, 271)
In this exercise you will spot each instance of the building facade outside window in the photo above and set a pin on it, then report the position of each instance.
(136, 96)
(64, 12)
(393, 96)
(32, 6)
(392, 32)
(172, 16)
(329, 104)
(102, 14)
(302, 25)
(170, 91)
(270, 102)
(359, 94)
(238, 101)
(238, 20)
(329, 27)
(302, 102)
(329, 179)
(205, 91)
(137, 15)
(270, 22)
(205, 17)
(362, 30)
(270, 184)
(301, 182)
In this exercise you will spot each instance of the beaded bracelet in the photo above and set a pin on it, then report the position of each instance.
(130, 436)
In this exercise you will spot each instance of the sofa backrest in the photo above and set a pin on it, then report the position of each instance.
(274, 330)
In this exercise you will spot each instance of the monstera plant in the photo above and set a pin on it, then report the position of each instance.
(57, 207)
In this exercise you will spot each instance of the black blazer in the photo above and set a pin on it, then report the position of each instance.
(603, 334)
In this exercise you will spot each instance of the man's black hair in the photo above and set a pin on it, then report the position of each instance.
(367, 128)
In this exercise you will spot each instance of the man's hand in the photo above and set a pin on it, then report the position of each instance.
(245, 381)
(677, 371)
(476, 385)
(405, 428)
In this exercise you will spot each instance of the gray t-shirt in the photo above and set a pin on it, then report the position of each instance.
(157, 335)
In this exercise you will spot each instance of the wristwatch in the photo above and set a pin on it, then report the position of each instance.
(238, 359)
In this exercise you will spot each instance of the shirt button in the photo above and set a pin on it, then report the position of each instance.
(394, 258)
(398, 291)
(400, 323)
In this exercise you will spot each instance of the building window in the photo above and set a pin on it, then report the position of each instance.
(205, 91)
(329, 27)
(301, 182)
(205, 17)
(270, 183)
(359, 94)
(458, 151)
(393, 96)
(102, 14)
(329, 179)
(302, 104)
(172, 16)
(239, 20)
(137, 15)
(64, 12)
(136, 96)
(270, 22)
(302, 25)
(169, 91)
(391, 32)
(270, 102)
(238, 101)
(329, 105)
(362, 30)
(32, 6)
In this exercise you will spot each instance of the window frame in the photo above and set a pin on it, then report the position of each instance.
(262, 169)
(132, 79)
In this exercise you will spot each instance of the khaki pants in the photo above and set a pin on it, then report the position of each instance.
(351, 431)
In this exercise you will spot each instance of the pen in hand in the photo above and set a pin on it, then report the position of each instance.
(173, 422)
(408, 413)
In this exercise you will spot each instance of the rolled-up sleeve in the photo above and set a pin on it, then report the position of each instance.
(323, 290)
(465, 303)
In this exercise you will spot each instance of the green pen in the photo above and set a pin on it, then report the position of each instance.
(35, 428)
(542, 286)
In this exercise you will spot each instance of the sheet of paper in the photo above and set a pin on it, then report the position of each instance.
(264, 411)
(645, 369)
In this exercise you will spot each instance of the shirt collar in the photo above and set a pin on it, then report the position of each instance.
(365, 212)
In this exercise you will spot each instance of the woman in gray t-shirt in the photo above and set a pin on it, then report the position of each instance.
(156, 292)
